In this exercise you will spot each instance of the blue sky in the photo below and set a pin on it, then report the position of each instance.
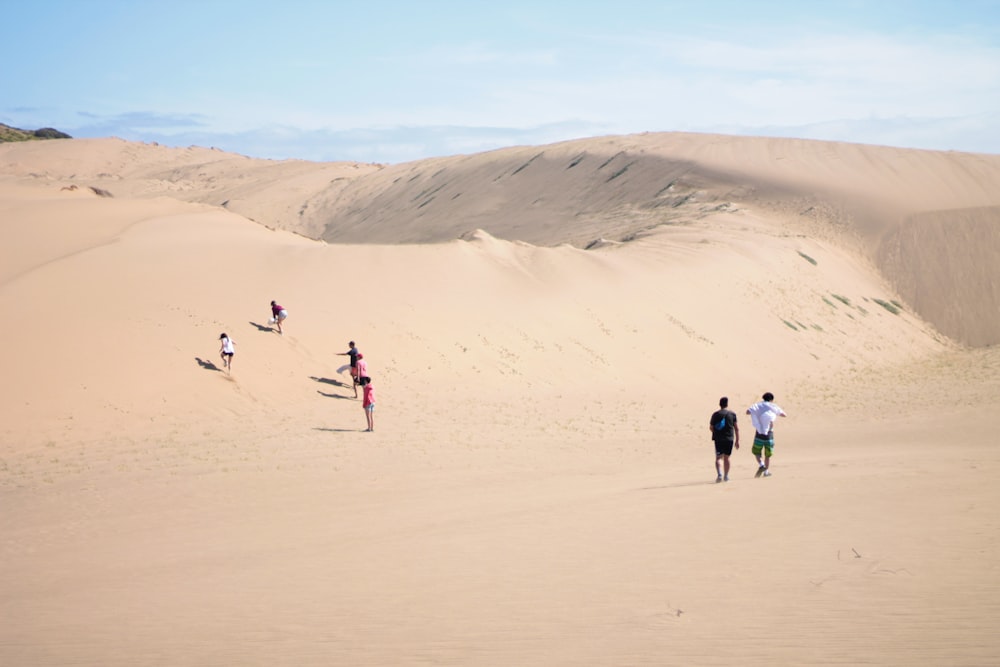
(394, 81)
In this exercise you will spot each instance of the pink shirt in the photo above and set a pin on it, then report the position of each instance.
(362, 368)
(369, 397)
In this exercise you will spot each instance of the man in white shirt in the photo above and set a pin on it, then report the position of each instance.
(763, 414)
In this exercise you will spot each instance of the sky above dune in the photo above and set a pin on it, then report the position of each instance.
(394, 81)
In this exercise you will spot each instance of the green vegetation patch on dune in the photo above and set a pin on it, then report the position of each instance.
(8, 133)
(843, 299)
(891, 307)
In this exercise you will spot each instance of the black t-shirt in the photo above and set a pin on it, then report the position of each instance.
(726, 432)
(354, 357)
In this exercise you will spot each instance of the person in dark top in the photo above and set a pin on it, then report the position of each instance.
(278, 314)
(725, 435)
(353, 353)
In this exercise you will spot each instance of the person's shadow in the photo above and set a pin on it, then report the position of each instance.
(262, 327)
(336, 383)
(207, 365)
(343, 398)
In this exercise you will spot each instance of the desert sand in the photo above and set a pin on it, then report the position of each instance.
(548, 330)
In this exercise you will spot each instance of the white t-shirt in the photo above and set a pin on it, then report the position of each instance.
(227, 345)
(763, 414)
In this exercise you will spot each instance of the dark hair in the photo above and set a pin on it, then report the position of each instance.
(768, 396)
(222, 335)
(364, 380)
(351, 343)
(272, 302)
(724, 402)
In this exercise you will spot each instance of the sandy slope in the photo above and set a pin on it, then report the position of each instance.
(539, 487)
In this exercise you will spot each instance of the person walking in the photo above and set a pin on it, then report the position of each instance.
(368, 402)
(278, 315)
(226, 351)
(725, 435)
(353, 353)
(762, 414)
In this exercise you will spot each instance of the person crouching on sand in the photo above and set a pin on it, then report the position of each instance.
(278, 314)
(368, 402)
(226, 351)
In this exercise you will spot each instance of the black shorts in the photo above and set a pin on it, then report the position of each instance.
(723, 447)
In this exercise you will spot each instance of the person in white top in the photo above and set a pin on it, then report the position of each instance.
(763, 414)
(226, 350)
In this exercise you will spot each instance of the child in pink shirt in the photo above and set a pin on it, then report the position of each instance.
(362, 367)
(368, 402)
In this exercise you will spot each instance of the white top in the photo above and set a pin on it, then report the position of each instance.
(763, 414)
(227, 345)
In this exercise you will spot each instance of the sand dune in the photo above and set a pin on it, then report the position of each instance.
(866, 198)
(539, 488)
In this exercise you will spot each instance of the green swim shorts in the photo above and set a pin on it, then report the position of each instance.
(763, 443)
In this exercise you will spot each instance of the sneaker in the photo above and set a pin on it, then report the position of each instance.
(760, 471)
(767, 473)
(719, 479)
(726, 478)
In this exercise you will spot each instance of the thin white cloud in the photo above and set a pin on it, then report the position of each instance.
(472, 54)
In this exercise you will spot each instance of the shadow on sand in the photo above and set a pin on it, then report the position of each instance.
(207, 365)
(263, 327)
(677, 486)
(336, 383)
(343, 398)
(339, 430)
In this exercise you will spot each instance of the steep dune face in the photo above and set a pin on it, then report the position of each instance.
(572, 193)
(946, 263)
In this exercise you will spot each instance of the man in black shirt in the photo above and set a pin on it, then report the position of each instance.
(725, 434)
(353, 353)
